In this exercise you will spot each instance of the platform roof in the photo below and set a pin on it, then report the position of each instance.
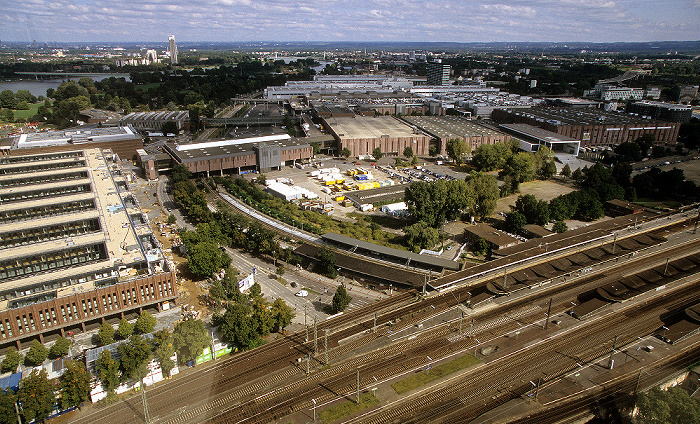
(391, 252)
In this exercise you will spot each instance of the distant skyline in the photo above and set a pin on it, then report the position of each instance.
(336, 20)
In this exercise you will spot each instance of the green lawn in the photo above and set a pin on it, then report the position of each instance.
(425, 377)
(348, 408)
(29, 112)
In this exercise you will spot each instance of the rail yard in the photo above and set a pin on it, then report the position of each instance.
(523, 324)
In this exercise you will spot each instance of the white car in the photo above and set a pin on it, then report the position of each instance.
(302, 293)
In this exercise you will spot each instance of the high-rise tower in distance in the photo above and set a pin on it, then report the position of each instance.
(173, 50)
(438, 73)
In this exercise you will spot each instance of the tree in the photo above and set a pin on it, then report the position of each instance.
(163, 354)
(205, 258)
(36, 396)
(672, 406)
(345, 152)
(281, 313)
(515, 222)
(37, 354)
(341, 299)
(75, 384)
(480, 246)
(134, 354)
(169, 127)
(326, 262)
(408, 152)
(125, 329)
(190, 337)
(577, 174)
(432, 151)
(105, 334)
(560, 227)
(11, 360)
(107, 369)
(8, 400)
(377, 153)
(520, 167)
(279, 270)
(261, 319)
(145, 323)
(237, 327)
(485, 189)
(171, 219)
(420, 236)
(458, 150)
(7, 115)
(8, 99)
(566, 171)
(255, 291)
(61, 347)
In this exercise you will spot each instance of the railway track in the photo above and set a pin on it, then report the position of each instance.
(436, 345)
(239, 381)
(505, 379)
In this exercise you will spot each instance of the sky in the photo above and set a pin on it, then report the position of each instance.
(350, 20)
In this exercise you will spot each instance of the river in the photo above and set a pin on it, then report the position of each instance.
(39, 87)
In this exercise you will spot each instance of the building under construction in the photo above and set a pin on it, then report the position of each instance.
(75, 247)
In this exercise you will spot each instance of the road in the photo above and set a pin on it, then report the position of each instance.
(321, 289)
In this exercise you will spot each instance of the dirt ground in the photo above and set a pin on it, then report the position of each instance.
(189, 288)
(542, 190)
(691, 169)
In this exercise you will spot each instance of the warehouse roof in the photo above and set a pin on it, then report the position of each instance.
(447, 127)
(573, 116)
(371, 127)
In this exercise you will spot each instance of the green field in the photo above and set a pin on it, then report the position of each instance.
(348, 408)
(425, 377)
(29, 112)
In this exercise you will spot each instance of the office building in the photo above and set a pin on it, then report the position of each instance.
(75, 247)
(172, 49)
(438, 73)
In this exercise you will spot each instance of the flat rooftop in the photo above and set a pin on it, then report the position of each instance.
(233, 147)
(60, 138)
(447, 127)
(378, 194)
(391, 252)
(575, 117)
(359, 127)
(113, 209)
(537, 133)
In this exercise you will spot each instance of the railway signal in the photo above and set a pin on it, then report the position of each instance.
(315, 338)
